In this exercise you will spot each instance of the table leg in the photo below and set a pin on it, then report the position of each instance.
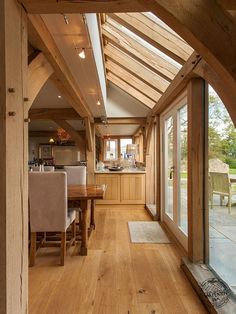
(92, 219)
(84, 228)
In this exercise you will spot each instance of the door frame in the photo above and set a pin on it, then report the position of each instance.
(172, 224)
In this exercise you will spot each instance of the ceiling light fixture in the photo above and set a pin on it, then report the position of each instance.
(98, 103)
(59, 96)
(82, 53)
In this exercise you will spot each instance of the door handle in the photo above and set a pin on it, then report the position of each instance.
(172, 170)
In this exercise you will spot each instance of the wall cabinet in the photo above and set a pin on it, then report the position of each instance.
(123, 188)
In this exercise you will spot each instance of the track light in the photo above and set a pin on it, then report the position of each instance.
(98, 103)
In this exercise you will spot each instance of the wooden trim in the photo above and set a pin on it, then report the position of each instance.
(54, 114)
(39, 71)
(177, 85)
(89, 136)
(130, 90)
(196, 168)
(91, 158)
(70, 130)
(40, 37)
(100, 18)
(155, 35)
(133, 65)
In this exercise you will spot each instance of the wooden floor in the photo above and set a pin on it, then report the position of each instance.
(116, 277)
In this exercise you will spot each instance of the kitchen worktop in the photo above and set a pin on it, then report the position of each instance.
(106, 171)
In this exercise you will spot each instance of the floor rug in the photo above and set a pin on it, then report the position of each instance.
(147, 232)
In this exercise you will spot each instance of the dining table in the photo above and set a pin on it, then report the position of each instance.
(81, 196)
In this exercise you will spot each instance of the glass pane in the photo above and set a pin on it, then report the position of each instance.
(169, 167)
(222, 190)
(182, 168)
(123, 143)
(111, 150)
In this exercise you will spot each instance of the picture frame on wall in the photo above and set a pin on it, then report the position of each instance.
(45, 151)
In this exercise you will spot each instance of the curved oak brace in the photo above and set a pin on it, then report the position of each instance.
(39, 71)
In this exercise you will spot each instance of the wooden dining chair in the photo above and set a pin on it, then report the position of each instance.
(48, 209)
(76, 174)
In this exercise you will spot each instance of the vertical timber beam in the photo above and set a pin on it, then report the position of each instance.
(91, 158)
(158, 168)
(196, 168)
(13, 159)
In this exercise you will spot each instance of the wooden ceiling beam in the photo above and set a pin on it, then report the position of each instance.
(141, 78)
(39, 71)
(155, 35)
(135, 67)
(120, 121)
(228, 4)
(228, 96)
(208, 28)
(54, 114)
(133, 81)
(165, 68)
(177, 85)
(89, 6)
(40, 38)
(131, 84)
(131, 91)
(89, 136)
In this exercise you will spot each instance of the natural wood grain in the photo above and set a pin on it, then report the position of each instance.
(54, 114)
(86, 192)
(41, 38)
(196, 168)
(132, 189)
(39, 71)
(13, 159)
(130, 90)
(125, 61)
(138, 51)
(155, 34)
(116, 277)
(113, 188)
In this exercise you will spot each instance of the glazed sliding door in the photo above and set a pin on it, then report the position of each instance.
(174, 170)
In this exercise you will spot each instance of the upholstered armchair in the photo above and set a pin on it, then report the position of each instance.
(75, 174)
(48, 208)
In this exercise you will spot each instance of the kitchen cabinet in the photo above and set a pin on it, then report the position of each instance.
(122, 188)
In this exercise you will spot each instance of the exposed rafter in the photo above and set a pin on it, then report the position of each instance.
(130, 90)
(132, 80)
(132, 72)
(136, 67)
(177, 84)
(165, 69)
(117, 121)
(40, 38)
(73, 6)
(39, 71)
(154, 34)
(54, 114)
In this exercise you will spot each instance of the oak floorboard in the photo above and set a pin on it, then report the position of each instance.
(117, 276)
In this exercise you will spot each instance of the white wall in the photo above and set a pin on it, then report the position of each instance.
(121, 104)
(63, 155)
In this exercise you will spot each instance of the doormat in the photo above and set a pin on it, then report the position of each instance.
(147, 232)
